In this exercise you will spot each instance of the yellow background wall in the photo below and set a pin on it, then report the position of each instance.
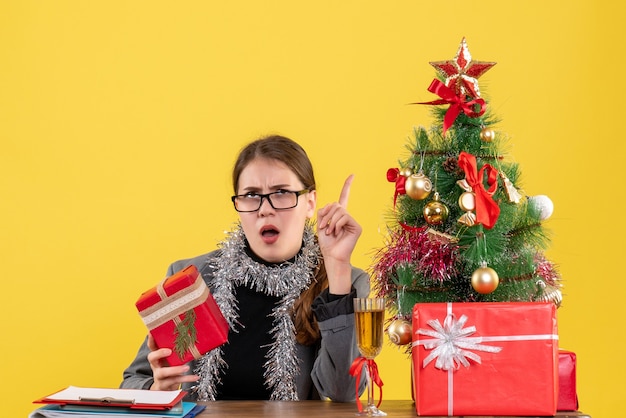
(120, 120)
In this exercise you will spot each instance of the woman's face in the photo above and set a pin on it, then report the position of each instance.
(274, 235)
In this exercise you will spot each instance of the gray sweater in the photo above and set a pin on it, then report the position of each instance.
(324, 368)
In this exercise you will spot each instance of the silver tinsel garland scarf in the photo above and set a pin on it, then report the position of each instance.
(234, 267)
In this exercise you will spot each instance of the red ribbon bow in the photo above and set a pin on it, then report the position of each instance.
(487, 210)
(393, 175)
(457, 103)
(372, 369)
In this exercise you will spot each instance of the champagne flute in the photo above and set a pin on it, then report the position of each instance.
(369, 314)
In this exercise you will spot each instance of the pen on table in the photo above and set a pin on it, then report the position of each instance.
(195, 411)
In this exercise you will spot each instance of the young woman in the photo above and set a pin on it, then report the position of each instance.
(285, 291)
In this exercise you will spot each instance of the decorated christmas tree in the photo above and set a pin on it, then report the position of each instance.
(461, 227)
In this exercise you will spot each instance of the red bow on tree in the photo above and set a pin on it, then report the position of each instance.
(372, 369)
(393, 175)
(457, 104)
(487, 210)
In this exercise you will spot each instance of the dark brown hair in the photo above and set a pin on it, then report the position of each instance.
(290, 153)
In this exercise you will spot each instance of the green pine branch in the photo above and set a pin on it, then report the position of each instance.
(185, 334)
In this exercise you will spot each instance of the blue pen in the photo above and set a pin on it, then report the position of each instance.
(195, 411)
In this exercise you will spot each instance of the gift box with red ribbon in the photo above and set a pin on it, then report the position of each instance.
(181, 314)
(568, 399)
(485, 358)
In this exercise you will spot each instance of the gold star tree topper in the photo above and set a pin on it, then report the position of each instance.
(462, 72)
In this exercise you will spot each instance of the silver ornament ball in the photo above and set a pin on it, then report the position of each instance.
(543, 205)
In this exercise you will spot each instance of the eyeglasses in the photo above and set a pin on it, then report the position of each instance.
(282, 199)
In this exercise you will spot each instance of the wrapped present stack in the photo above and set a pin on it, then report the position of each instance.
(471, 292)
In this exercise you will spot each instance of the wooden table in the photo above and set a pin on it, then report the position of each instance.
(316, 409)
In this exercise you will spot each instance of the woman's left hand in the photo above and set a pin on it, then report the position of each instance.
(338, 233)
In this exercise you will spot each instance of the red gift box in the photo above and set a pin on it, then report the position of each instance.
(568, 399)
(485, 358)
(181, 314)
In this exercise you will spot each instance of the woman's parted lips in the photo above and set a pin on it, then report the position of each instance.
(269, 230)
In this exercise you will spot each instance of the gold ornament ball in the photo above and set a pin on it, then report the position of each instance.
(406, 171)
(485, 280)
(435, 212)
(467, 201)
(487, 135)
(400, 332)
(418, 186)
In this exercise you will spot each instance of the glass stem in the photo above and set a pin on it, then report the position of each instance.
(370, 389)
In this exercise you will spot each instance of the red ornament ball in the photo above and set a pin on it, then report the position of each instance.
(400, 332)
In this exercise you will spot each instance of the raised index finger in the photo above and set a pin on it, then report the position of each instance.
(345, 191)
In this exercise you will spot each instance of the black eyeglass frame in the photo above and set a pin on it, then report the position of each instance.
(267, 196)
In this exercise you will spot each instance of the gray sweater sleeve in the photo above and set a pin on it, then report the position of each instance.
(138, 375)
(331, 370)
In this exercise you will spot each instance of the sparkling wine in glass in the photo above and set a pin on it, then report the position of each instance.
(369, 314)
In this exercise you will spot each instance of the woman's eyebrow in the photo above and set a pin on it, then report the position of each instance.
(273, 187)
